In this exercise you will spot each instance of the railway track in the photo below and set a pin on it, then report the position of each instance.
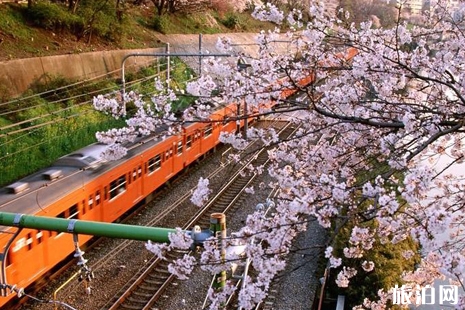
(95, 244)
(151, 282)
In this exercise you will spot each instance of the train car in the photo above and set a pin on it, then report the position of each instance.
(83, 186)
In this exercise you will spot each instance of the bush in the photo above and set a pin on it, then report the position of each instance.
(101, 19)
(160, 23)
(231, 21)
(53, 17)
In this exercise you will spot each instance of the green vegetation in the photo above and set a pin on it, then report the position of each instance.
(56, 117)
(208, 23)
(52, 27)
(389, 266)
(37, 129)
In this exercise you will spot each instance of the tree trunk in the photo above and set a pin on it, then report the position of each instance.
(75, 5)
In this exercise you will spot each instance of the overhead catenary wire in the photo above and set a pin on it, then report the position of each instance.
(56, 101)
(31, 129)
(132, 83)
(63, 87)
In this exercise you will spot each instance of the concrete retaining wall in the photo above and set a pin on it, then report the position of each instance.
(16, 76)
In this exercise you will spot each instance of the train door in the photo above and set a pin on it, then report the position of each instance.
(116, 197)
(135, 183)
(168, 164)
(179, 161)
(207, 142)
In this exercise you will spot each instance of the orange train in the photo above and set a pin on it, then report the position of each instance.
(81, 186)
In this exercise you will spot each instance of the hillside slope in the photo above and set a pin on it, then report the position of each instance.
(21, 38)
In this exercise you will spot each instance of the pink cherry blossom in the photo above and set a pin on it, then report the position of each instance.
(379, 139)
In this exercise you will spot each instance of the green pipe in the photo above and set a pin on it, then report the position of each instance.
(101, 229)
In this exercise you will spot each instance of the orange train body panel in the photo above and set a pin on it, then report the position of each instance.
(81, 186)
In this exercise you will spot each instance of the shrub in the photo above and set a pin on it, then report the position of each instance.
(53, 17)
(101, 19)
(231, 21)
(160, 23)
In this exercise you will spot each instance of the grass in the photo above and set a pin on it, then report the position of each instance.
(208, 23)
(20, 38)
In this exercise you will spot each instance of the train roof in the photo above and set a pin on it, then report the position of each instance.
(87, 157)
(36, 191)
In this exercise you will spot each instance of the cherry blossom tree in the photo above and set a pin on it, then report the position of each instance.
(380, 139)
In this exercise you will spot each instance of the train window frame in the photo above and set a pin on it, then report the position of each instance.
(39, 236)
(97, 197)
(105, 193)
(84, 207)
(208, 131)
(90, 201)
(73, 212)
(154, 164)
(179, 148)
(189, 142)
(118, 186)
(29, 241)
(134, 174)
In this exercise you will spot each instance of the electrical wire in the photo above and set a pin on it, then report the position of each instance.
(63, 87)
(32, 129)
(136, 82)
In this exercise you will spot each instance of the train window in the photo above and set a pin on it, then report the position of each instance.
(188, 142)
(29, 241)
(179, 150)
(154, 163)
(139, 171)
(208, 130)
(117, 186)
(19, 244)
(129, 178)
(73, 212)
(90, 202)
(39, 236)
(97, 197)
(168, 154)
(62, 215)
(134, 174)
